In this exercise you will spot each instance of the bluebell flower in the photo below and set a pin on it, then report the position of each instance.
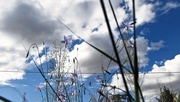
(126, 25)
(67, 41)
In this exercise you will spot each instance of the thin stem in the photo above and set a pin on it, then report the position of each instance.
(136, 69)
(114, 47)
(47, 95)
(128, 55)
(42, 74)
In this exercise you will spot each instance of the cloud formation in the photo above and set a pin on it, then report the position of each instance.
(170, 5)
(26, 21)
(34, 22)
(156, 45)
(160, 76)
(11, 60)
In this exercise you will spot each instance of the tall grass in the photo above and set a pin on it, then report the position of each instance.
(135, 69)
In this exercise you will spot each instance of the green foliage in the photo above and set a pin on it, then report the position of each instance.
(119, 97)
(167, 96)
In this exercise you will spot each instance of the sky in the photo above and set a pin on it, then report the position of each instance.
(23, 23)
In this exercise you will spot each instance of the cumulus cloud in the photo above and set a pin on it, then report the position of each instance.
(22, 23)
(160, 76)
(164, 75)
(91, 61)
(34, 22)
(92, 18)
(144, 11)
(27, 22)
(11, 60)
(101, 40)
(145, 14)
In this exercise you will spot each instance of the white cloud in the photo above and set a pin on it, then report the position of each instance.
(170, 65)
(156, 45)
(90, 59)
(17, 23)
(144, 11)
(18, 29)
(20, 23)
(170, 5)
(160, 76)
(145, 31)
(11, 59)
(100, 38)
(142, 48)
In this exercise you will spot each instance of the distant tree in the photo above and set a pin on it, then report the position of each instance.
(167, 96)
(120, 98)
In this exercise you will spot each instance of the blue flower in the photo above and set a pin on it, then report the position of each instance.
(126, 25)
(67, 41)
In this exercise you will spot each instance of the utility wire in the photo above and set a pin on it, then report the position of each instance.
(33, 72)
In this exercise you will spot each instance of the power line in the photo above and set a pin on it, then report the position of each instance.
(33, 72)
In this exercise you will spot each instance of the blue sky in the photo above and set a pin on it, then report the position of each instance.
(34, 21)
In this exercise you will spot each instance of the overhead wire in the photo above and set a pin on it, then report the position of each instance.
(34, 72)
